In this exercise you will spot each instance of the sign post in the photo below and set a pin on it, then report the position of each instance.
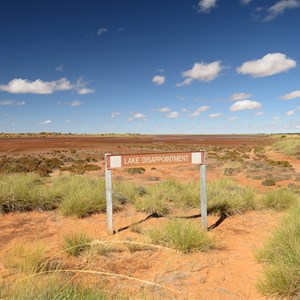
(203, 196)
(109, 204)
(149, 160)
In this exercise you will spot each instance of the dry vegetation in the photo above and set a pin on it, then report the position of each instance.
(70, 182)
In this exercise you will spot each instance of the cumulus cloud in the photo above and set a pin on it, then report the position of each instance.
(101, 30)
(45, 122)
(115, 114)
(232, 118)
(159, 80)
(11, 103)
(216, 115)
(173, 114)
(290, 112)
(201, 72)
(207, 5)
(280, 7)
(199, 110)
(292, 95)
(240, 96)
(245, 105)
(81, 87)
(139, 116)
(163, 109)
(75, 103)
(270, 64)
(24, 86)
(259, 113)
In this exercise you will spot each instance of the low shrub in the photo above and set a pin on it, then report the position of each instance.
(280, 256)
(53, 286)
(182, 235)
(25, 256)
(81, 195)
(80, 168)
(75, 243)
(26, 192)
(133, 171)
(268, 182)
(279, 200)
(224, 196)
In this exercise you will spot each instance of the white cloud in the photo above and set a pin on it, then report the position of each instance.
(207, 5)
(45, 122)
(232, 118)
(115, 114)
(280, 7)
(259, 113)
(239, 96)
(245, 2)
(201, 72)
(290, 112)
(184, 110)
(12, 103)
(270, 64)
(163, 109)
(75, 103)
(199, 110)
(159, 80)
(276, 118)
(160, 70)
(81, 87)
(173, 114)
(101, 31)
(24, 86)
(60, 68)
(130, 119)
(216, 115)
(245, 105)
(139, 116)
(292, 95)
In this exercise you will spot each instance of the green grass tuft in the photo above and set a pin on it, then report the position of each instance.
(279, 200)
(26, 192)
(281, 259)
(81, 195)
(76, 243)
(224, 196)
(183, 235)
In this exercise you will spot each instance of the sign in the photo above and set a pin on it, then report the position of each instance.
(154, 159)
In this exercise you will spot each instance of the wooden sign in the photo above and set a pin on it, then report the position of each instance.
(154, 159)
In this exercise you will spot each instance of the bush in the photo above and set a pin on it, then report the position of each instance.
(279, 200)
(133, 171)
(280, 256)
(183, 235)
(26, 192)
(75, 243)
(25, 256)
(288, 146)
(81, 195)
(58, 287)
(224, 196)
(268, 182)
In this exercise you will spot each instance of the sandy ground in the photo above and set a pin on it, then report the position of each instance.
(228, 272)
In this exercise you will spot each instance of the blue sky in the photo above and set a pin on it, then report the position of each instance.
(159, 66)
